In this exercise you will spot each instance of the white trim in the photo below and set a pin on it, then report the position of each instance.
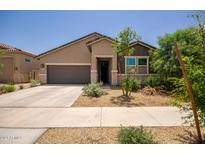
(137, 56)
(135, 74)
(104, 56)
(73, 64)
(93, 71)
(42, 74)
(114, 71)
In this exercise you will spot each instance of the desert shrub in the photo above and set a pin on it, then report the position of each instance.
(94, 89)
(167, 84)
(135, 84)
(7, 88)
(129, 84)
(21, 87)
(153, 81)
(35, 83)
(126, 86)
(134, 135)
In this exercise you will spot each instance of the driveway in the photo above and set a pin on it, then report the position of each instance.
(14, 105)
(47, 96)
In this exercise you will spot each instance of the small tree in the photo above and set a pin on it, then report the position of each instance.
(200, 29)
(122, 48)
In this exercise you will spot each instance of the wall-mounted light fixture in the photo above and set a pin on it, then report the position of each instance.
(42, 65)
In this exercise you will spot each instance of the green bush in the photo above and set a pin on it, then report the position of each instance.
(35, 83)
(7, 88)
(94, 89)
(129, 84)
(134, 135)
(153, 81)
(161, 82)
(135, 84)
(126, 86)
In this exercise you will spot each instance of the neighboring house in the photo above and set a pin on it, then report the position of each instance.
(17, 65)
(91, 58)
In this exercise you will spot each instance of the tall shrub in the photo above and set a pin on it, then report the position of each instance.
(122, 48)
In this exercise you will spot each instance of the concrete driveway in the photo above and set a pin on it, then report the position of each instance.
(14, 104)
(42, 96)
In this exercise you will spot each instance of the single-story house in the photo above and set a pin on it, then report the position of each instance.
(91, 58)
(87, 59)
(17, 64)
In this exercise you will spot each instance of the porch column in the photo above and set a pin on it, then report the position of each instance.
(147, 65)
(93, 71)
(114, 71)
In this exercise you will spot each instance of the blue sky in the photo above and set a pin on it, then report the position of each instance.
(39, 31)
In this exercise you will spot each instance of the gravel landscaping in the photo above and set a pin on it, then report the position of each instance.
(114, 98)
(162, 135)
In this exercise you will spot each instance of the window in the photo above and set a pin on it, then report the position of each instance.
(135, 64)
(131, 65)
(27, 60)
(131, 61)
(142, 61)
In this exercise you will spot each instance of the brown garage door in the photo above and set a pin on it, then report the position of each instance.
(68, 74)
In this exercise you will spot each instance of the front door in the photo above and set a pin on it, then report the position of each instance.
(104, 71)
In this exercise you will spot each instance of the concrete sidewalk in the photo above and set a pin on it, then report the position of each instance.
(89, 117)
(19, 136)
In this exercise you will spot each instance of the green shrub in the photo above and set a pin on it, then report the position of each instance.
(161, 82)
(21, 87)
(7, 88)
(153, 81)
(35, 83)
(126, 86)
(129, 84)
(134, 135)
(135, 84)
(94, 89)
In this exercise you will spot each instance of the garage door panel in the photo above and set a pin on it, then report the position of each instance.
(68, 74)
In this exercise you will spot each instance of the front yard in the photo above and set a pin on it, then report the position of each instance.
(114, 98)
(162, 135)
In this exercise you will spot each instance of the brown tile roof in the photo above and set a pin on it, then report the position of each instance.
(9, 48)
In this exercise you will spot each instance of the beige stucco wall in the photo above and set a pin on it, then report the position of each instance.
(103, 49)
(7, 71)
(24, 68)
(21, 69)
(77, 52)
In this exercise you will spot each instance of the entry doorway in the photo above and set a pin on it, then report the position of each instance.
(103, 71)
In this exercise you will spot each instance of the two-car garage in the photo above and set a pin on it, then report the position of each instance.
(68, 74)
